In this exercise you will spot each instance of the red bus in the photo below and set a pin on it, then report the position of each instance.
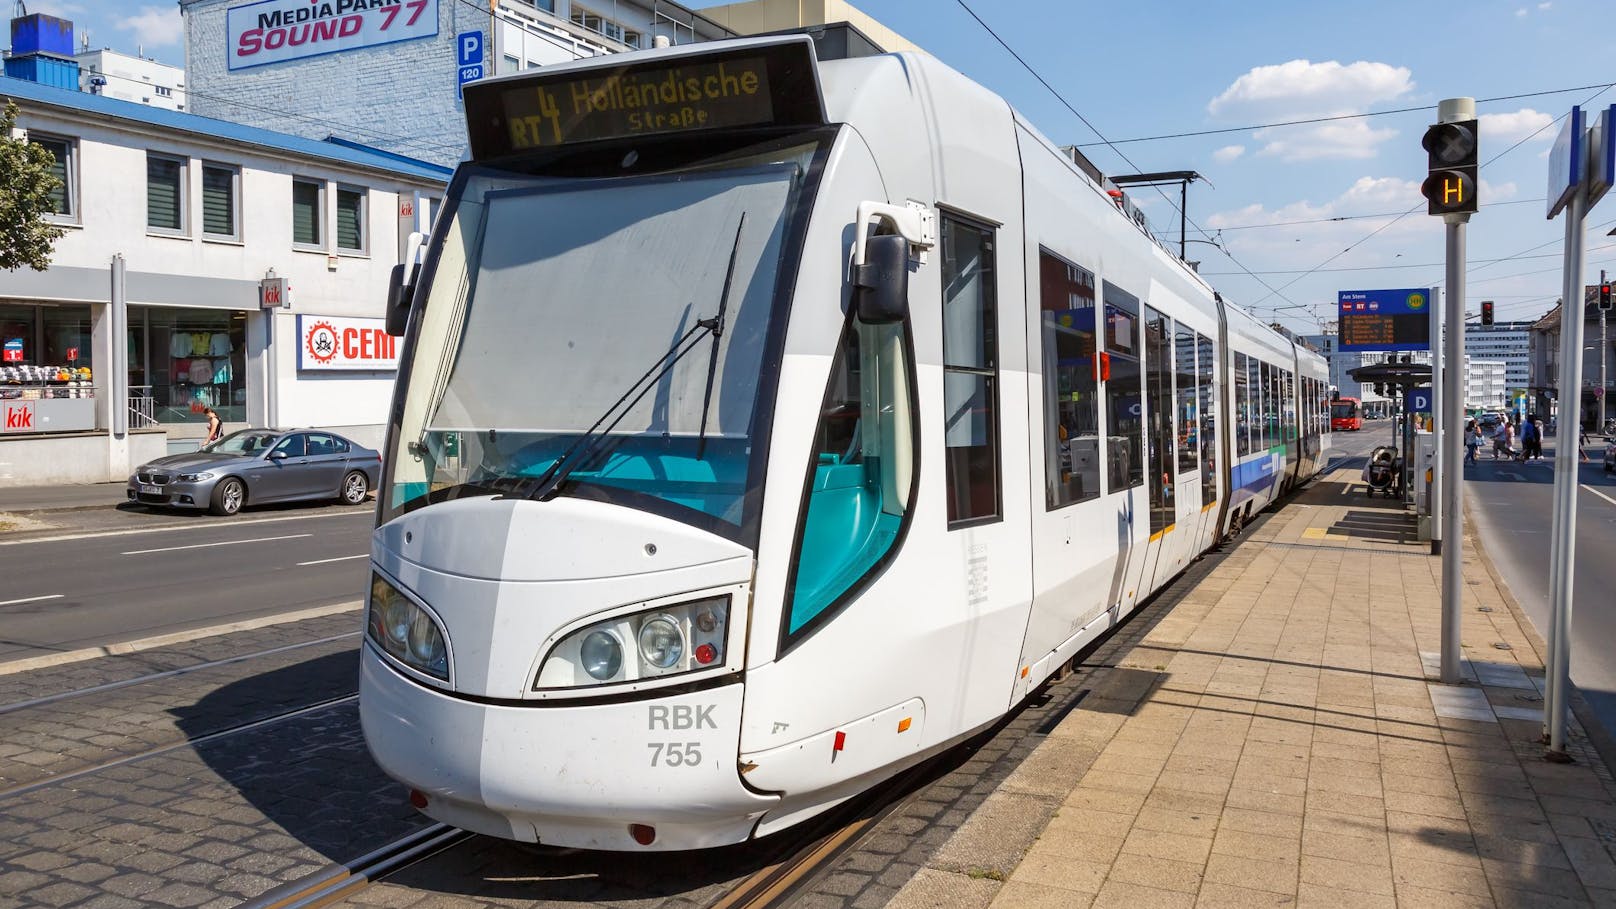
(1346, 414)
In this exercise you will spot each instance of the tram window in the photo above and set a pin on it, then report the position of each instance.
(1262, 406)
(862, 470)
(1159, 417)
(1184, 380)
(1124, 387)
(1205, 360)
(1290, 406)
(1242, 405)
(1071, 403)
(970, 373)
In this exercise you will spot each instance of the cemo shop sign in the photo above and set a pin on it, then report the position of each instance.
(274, 31)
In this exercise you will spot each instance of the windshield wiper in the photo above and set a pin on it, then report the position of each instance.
(718, 332)
(578, 452)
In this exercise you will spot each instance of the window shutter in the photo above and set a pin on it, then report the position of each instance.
(163, 194)
(305, 213)
(350, 211)
(218, 202)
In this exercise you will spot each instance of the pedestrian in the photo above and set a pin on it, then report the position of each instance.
(1582, 443)
(215, 427)
(1529, 438)
(1472, 441)
(1503, 440)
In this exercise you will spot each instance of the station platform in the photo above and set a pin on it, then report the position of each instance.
(1268, 732)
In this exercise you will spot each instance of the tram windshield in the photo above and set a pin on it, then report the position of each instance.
(552, 296)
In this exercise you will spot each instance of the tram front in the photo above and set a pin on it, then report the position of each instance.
(572, 501)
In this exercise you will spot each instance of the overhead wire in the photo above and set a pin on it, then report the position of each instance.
(1075, 112)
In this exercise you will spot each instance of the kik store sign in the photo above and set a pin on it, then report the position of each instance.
(274, 31)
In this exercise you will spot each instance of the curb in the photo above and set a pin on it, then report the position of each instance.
(178, 637)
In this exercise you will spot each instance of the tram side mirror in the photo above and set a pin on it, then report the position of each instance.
(881, 284)
(399, 294)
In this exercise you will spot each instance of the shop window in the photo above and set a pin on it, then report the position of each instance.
(64, 167)
(165, 194)
(352, 224)
(308, 213)
(970, 373)
(221, 194)
(1071, 391)
(196, 359)
(45, 352)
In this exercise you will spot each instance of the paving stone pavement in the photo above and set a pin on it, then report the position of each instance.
(49, 739)
(1273, 740)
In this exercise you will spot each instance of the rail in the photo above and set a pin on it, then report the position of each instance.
(142, 407)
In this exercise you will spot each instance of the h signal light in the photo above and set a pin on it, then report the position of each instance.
(1451, 151)
(1604, 296)
(1486, 312)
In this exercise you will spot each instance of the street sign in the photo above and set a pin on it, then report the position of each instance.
(1384, 319)
(469, 56)
(1602, 155)
(1567, 162)
(1417, 400)
(274, 293)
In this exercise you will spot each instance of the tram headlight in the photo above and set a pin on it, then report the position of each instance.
(405, 631)
(664, 641)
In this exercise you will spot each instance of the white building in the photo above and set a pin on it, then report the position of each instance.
(139, 79)
(1506, 341)
(1486, 385)
(150, 308)
(390, 76)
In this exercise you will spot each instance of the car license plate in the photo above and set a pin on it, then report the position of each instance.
(151, 490)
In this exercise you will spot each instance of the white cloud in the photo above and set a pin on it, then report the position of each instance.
(1352, 139)
(1228, 153)
(1502, 130)
(1544, 5)
(1289, 243)
(1520, 13)
(154, 26)
(1303, 88)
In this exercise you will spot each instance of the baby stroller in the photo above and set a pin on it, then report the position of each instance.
(1384, 472)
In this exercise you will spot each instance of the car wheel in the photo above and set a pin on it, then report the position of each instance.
(228, 496)
(354, 487)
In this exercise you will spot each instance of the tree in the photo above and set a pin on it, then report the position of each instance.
(27, 194)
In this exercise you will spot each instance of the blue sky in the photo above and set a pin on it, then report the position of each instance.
(1142, 69)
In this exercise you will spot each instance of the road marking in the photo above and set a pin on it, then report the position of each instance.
(363, 555)
(1584, 486)
(51, 596)
(290, 536)
(204, 525)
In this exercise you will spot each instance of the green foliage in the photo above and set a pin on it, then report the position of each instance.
(26, 188)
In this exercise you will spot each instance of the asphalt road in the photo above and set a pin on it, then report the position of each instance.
(109, 575)
(1511, 505)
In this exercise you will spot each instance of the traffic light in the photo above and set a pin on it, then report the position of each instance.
(1486, 312)
(1451, 150)
(1604, 296)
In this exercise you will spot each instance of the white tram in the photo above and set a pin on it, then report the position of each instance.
(767, 425)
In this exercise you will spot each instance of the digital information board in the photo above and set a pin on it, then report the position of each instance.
(1384, 319)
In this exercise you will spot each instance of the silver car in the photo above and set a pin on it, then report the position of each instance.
(259, 466)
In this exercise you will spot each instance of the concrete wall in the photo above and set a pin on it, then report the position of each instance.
(84, 458)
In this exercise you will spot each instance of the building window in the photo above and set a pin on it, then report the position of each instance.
(163, 91)
(308, 204)
(512, 64)
(352, 212)
(970, 373)
(221, 195)
(165, 194)
(1071, 392)
(64, 199)
(600, 25)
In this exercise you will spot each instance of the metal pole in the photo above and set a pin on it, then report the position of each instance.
(1572, 318)
(1183, 216)
(1451, 110)
(118, 386)
(1549, 693)
(1452, 468)
(1434, 500)
(1604, 390)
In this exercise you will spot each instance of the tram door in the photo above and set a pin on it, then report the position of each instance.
(1122, 371)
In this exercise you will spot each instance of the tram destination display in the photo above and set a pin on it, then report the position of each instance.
(766, 85)
(1384, 319)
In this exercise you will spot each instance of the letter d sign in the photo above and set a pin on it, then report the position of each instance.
(470, 47)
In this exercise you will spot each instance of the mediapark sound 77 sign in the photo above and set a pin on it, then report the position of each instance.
(274, 31)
